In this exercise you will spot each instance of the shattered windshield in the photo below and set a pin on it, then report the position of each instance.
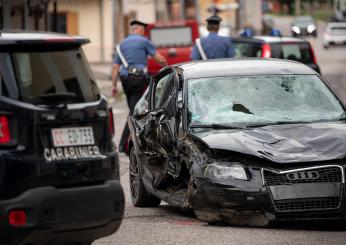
(263, 99)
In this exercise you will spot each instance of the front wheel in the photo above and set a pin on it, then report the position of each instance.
(139, 195)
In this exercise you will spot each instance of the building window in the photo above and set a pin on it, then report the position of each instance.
(66, 23)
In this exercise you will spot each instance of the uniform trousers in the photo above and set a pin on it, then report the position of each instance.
(134, 88)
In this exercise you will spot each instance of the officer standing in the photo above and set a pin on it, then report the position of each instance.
(131, 64)
(213, 46)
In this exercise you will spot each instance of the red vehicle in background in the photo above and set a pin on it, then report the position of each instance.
(174, 40)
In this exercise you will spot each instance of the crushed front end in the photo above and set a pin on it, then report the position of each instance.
(269, 193)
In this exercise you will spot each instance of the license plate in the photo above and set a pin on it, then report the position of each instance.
(73, 136)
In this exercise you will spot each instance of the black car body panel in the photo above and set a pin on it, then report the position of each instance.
(58, 162)
(56, 212)
(283, 144)
(291, 171)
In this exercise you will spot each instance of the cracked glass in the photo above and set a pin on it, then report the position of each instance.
(261, 99)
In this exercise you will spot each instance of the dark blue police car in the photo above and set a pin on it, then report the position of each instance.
(59, 168)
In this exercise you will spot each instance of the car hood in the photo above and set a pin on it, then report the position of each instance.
(303, 25)
(282, 143)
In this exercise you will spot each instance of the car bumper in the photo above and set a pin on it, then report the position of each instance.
(55, 216)
(254, 204)
(334, 40)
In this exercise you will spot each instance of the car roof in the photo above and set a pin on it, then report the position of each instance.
(20, 37)
(270, 39)
(242, 66)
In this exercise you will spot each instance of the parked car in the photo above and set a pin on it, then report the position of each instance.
(241, 141)
(59, 168)
(174, 40)
(290, 48)
(304, 26)
(335, 34)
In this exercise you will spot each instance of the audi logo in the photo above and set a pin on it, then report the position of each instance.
(307, 175)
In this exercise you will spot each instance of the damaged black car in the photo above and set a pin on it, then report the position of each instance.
(243, 142)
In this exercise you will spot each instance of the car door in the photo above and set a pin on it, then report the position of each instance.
(160, 131)
(162, 107)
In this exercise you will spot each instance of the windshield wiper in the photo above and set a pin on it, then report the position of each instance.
(217, 126)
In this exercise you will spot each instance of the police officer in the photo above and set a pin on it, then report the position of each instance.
(213, 46)
(131, 64)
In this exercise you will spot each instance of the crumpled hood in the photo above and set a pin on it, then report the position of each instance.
(283, 143)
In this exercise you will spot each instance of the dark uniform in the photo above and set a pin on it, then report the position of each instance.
(135, 49)
(214, 46)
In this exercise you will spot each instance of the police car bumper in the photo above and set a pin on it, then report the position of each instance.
(48, 215)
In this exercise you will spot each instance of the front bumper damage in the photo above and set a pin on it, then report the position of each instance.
(259, 201)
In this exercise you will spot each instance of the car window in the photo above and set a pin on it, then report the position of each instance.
(163, 89)
(338, 29)
(243, 49)
(8, 81)
(292, 51)
(44, 74)
(261, 99)
(172, 36)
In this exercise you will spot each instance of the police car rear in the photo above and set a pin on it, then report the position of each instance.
(59, 170)
(289, 48)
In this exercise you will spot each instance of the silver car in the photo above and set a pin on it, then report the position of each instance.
(334, 34)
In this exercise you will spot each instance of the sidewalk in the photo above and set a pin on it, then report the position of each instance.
(102, 71)
(103, 75)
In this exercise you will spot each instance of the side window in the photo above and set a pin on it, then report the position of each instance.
(3, 87)
(8, 86)
(163, 89)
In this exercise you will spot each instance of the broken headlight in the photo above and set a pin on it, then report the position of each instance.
(225, 170)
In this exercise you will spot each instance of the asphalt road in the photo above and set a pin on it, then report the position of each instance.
(168, 225)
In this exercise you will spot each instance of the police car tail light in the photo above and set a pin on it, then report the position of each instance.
(111, 122)
(17, 218)
(313, 54)
(266, 52)
(5, 136)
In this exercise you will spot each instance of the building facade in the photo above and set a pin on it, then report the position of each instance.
(105, 22)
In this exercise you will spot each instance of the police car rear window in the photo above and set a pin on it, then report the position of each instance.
(292, 51)
(59, 76)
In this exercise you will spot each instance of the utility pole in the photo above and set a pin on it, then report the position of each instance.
(297, 7)
(182, 9)
(6, 9)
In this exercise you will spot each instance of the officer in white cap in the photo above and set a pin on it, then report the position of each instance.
(131, 64)
(213, 46)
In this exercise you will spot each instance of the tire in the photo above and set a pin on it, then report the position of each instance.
(139, 195)
(325, 46)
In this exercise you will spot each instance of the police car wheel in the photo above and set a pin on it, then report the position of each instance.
(139, 195)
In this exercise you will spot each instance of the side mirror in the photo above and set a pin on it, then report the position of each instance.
(180, 100)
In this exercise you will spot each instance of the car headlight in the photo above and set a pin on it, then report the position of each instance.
(295, 29)
(225, 170)
(311, 28)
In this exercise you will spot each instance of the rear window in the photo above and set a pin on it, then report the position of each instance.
(292, 51)
(243, 49)
(57, 76)
(171, 37)
(338, 28)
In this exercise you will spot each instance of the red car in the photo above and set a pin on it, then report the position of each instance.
(174, 40)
